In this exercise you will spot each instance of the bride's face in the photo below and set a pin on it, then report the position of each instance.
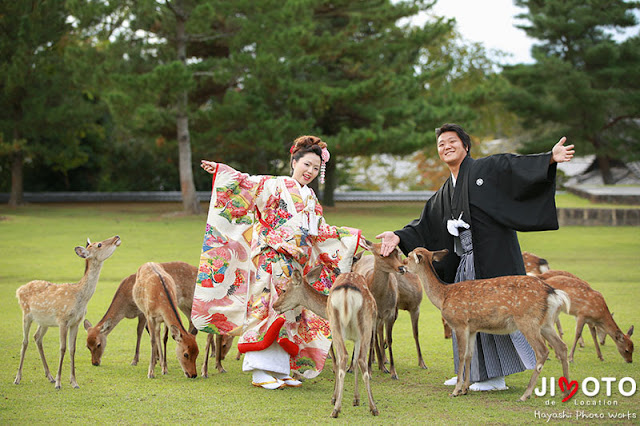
(306, 168)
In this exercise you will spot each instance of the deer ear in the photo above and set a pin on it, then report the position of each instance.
(439, 255)
(314, 274)
(357, 257)
(417, 257)
(88, 242)
(106, 326)
(175, 333)
(87, 324)
(630, 332)
(365, 244)
(82, 252)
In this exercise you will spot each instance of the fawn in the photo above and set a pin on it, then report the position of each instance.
(499, 305)
(62, 305)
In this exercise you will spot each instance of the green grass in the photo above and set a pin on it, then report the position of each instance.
(37, 242)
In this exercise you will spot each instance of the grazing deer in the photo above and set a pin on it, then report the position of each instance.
(352, 313)
(62, 305)
(539, 267)
(589, 306)
(123, 306)
(383, 284)
(499, 305)
(409, 295)
(155, 294)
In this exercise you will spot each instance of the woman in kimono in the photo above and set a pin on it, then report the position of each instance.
(475, 215)
(259, 230)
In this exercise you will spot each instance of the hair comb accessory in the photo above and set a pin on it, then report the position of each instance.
(325, 158)
(292, 148)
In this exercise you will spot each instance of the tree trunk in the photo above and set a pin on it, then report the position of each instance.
(605, 169)
(190, 202)
(329, 184)
(17, 179)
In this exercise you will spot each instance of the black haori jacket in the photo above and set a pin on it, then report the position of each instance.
(497, 195)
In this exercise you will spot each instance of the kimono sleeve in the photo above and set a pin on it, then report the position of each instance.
(334, 248)
(225, 268)
(517, 191)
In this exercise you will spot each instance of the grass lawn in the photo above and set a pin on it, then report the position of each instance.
(37, 242)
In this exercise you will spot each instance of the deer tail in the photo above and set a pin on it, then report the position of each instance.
(347, 300)
(557, 302)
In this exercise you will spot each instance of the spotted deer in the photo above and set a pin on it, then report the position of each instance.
(499, 305)
(589, 307)
(63, 306)
(154, 292)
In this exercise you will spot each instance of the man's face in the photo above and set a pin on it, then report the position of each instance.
(451, 149)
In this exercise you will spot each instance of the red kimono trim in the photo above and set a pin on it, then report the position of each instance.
(269, 337)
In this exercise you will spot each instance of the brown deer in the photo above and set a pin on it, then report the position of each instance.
(409, 294)
(352, 313)
(382, 283)
(539, 267)
(123, 306)
(155, 294)
(62, 305)
(499, 305)
(589, 307)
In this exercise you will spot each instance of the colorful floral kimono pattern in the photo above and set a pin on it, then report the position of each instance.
(256, 235)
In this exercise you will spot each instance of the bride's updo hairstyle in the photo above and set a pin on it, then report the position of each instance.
(305, 144)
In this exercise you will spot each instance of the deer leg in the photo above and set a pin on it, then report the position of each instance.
(380, 347)
(579, 326)
(163, 351)
(471, 344)
(415, 316)
(219, 354)
(142, 322)
(559, 327)
(207, 348)
(594, 334)
(462, 336)
(389, 327)
(356, 354)
(341, 352)
(540, 349)
(559, 347)
(40, 332)
(26, 326)
(64, 330)
(154, 348)
(364, 369)
(73, 334)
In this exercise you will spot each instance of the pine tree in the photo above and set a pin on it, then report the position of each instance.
(583, 84)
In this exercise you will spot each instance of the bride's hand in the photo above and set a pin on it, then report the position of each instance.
(209, 166)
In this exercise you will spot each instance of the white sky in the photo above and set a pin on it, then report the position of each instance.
(492, 23)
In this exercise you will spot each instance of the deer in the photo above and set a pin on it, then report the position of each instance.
(539, 267)
(154, 292)
(499, 305)
(352, 313)
(382, 282)
(63, 306)
(409, 289)
(589, 307)
(123, 306)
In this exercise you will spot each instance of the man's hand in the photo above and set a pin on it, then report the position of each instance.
(389, 242)
(561, 153)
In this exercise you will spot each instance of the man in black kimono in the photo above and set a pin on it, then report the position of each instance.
(475, 215)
